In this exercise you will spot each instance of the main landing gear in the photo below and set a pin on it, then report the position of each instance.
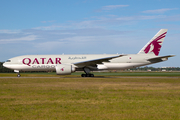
(88, 74)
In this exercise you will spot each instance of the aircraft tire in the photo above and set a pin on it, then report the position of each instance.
(83, 75)
(87, 75)
(18, 75)
(92, 75)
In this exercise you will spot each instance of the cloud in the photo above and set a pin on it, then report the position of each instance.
(26, 38)
(67, 42)
(48, 21)
(100, 22)
(158, 11)
(10, 31)
(110, 7)
(48, 46)
(151, 17)
(173, 18)
(76, 30)
(82, 44)
(51, 27)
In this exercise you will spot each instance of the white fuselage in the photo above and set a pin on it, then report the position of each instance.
(49, 62)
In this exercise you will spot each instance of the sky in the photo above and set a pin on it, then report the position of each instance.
(31, 27)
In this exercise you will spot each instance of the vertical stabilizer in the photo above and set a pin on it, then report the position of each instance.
(154, 45)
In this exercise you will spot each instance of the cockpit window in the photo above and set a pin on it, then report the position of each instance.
(8, 61)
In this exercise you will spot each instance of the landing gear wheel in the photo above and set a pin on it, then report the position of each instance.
(18, 75)
(87, 75)
(92, 75)
(83, 75)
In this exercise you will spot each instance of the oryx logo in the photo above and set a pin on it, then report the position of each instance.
(155, 45)
(62, 69)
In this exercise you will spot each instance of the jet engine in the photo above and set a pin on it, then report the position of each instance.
(63, 69)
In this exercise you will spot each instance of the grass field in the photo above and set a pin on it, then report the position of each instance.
(76, 98)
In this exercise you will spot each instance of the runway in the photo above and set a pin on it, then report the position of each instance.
(94, 77)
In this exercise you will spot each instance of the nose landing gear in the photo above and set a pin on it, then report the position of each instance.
(18, 74)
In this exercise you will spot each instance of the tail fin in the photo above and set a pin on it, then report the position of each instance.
(154, 45)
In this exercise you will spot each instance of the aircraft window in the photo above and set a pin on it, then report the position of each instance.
(8, 61)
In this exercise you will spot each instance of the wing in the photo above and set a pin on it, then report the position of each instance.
(94, 62)
(160, 58)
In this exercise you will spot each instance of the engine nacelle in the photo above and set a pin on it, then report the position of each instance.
(63, 69)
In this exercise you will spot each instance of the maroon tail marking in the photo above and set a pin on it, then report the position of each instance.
(156, 45)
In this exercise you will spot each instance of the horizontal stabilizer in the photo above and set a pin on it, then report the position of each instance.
(160, 57)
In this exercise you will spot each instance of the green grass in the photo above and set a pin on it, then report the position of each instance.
(90, 98)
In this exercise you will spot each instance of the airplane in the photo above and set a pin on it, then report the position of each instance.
(67, 64)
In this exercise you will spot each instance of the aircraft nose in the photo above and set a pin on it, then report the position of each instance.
(6, 65)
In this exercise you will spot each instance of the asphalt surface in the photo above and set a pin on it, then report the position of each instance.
(95, 77)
